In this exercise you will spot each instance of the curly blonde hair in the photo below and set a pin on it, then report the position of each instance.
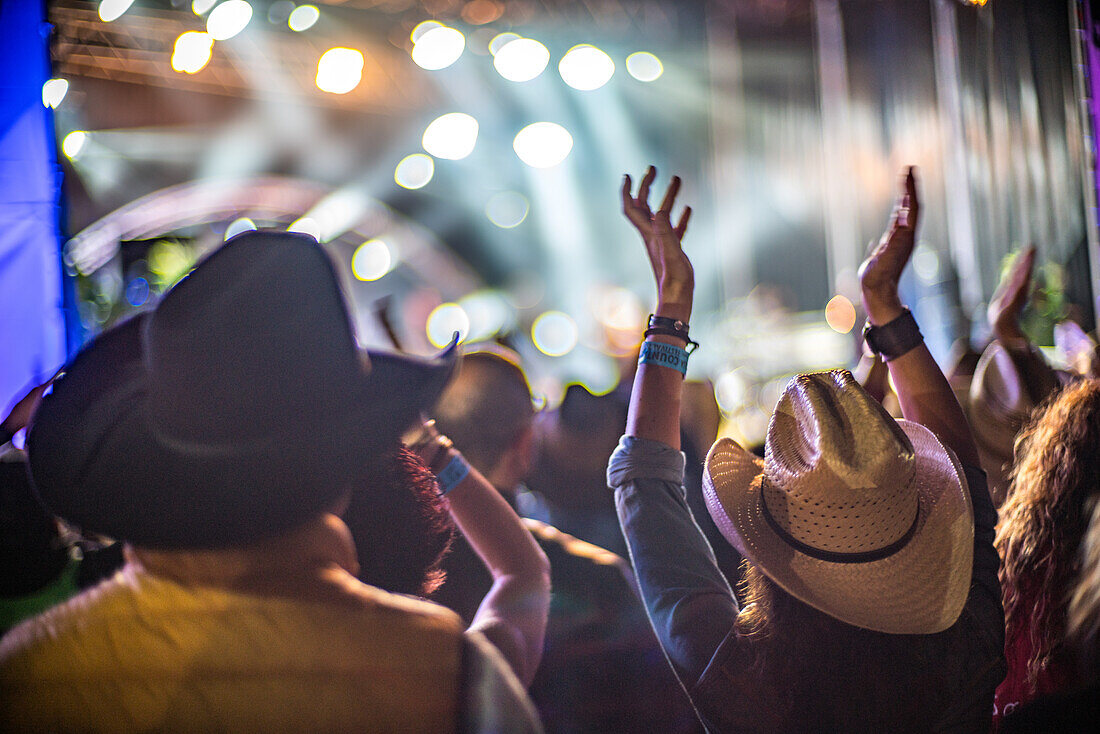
(1054, 481)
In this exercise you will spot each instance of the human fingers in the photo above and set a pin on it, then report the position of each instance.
(638, 214)
(681, 226)
(643, 190)
(670, 195)
(912, 198)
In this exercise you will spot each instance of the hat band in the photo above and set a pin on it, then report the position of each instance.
(832, 556)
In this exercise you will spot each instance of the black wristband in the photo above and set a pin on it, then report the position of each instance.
(893, 339)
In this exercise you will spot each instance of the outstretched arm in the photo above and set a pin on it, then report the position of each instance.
(689, 602)
(922, 390)
(513, 613)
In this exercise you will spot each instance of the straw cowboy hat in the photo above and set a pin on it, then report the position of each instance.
(240, 407)
(863, 517)
(1006, 388)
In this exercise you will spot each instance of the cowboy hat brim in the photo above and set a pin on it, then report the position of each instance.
(98, 460)
(919, 589)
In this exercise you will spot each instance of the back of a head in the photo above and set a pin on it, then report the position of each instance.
(487, 406)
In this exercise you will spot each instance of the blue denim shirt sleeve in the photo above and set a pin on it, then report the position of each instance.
(690, 605)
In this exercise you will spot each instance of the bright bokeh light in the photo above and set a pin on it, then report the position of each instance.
(451, 136)
(586, 67)
(239, 226)
(543, 144)
(422, 28)
(137, 292)
(371, 260)
(438, 48)
(339, 70)
(621, 309)
(303, 17)
(306, 225)
(729, 391)
(202, 7)
(113, 9)
(74, 143)
(444, 321)
(554, 333)
(840, 314)
(53, 91)
(192, 52)
(414, 171)
(644, 66)
(507, 209)
(926, 264)
(228, 19)
(500, 40)
(489, 314)
(521, 59)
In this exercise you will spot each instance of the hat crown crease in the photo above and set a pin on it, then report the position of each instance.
(838, 470)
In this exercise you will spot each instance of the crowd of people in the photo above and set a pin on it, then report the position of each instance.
(231, 517)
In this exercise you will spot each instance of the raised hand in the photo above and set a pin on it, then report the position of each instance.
(672, 269)
(1008, 302)
(880, 272)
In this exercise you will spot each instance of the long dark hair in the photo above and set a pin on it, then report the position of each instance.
(1055, 478)
(401, 526)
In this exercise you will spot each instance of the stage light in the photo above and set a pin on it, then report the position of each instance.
(507, 209)
(729, 392)
(303, 17)
(414, 171)
(543, 144)
(840, 314)
(306, 225)
(444, 321)
(339, 70)
(110, 10)
(554, 333)
(438, 48)
(237, 226)
(202, 7)
(521, 60)
(500, 40)
(489, 314)
(371, 260)
(73, 143)
(422, 28)
(586, 67)
(192, 52)
(644, 66)
(926, 264)
(451, 136)
(53, 91)
(480, 12)
(228, 19)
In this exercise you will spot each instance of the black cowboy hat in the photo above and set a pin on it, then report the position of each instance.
(240, 407)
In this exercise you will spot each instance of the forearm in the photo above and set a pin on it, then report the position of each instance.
(513, 613)
(654, 411)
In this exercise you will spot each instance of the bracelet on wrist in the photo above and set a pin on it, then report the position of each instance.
(456, 470)
(664, 355)
(666, 326)
(894, 338)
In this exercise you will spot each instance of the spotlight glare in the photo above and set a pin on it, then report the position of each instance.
(228, 19)
(438, 48)
(371, 260)
(303, 17)
(644, 66)
(543, 144)
(507, 209)
(444, 321)
(521, 60)
(451, 136)
(74, 143)
(306, 225)
(414, 171)
(554, 333)
(238, 226)
(586, 67)
(202, 7)
(110, 10)
(192, 52)
(339, 70)
(53, 91)
(840, 314)
(423, 27)
(500, 40)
